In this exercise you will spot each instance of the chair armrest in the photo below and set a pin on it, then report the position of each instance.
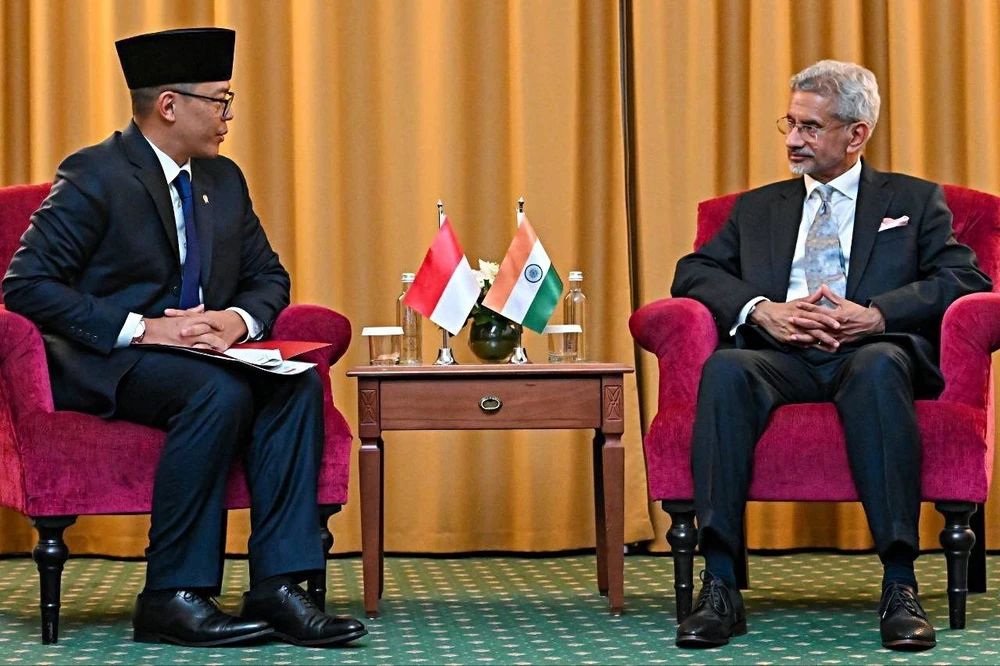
(682, 334)
(970, 333)
(315, 323)
(23, 369)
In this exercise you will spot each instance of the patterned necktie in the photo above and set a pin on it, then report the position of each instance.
(192, 263)
(824, 259)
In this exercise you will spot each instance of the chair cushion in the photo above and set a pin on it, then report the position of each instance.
(957, 456)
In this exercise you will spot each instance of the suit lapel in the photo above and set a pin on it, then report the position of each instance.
(150, 174)
(204, 198)
(874, 196)
(785, 216)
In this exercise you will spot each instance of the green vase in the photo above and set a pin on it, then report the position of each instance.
(492, 338)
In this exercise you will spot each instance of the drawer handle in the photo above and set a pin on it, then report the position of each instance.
(490, 403)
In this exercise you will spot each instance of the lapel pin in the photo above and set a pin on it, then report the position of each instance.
(204, 198)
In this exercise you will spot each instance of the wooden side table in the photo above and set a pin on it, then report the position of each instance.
(496, 397)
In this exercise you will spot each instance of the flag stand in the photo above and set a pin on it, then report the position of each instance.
(520, 355)
(445, 356)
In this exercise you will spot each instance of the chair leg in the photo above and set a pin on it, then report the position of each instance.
(317, 581)
(50, 554)
(957, 540)
(742, 562)
(977, 560)
(682, 537)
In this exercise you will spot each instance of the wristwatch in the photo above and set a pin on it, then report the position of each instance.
(140, 332)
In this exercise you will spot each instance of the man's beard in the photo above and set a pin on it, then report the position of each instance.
(802, 168)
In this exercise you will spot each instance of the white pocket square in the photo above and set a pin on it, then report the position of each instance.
(889, 223)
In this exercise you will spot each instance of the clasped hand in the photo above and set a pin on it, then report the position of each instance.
(196, 327)
(806, 323)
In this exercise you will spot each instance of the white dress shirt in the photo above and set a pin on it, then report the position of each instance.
(170, 172)
(844, 202)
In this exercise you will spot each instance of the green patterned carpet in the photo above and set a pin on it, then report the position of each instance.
(803, 609)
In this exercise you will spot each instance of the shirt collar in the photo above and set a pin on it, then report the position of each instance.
(170, 168)
(846, 183)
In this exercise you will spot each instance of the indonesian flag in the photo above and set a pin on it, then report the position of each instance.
(445, 288)
(526, 289)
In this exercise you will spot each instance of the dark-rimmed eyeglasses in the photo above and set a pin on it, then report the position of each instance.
(807, 130)
(226, 101)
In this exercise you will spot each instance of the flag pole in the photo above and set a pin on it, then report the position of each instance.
(520, 355)
(445, 356)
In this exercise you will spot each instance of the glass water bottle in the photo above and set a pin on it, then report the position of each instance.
(575, 311)
(409, 320)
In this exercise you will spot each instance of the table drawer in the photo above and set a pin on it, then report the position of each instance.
(469, 404)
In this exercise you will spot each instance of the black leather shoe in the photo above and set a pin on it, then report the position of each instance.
(718, 615)
(904, 624)
(189, 619)
(296, 619)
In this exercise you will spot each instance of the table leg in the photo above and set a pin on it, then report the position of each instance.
(614, 515)
(600, 528)
(370, 471)
(381, 521)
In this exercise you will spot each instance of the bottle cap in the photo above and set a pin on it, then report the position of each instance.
(576, 276)
(409, 277)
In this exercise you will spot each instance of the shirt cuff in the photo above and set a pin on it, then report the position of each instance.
(744, 313)
(255, 329)
(128, 330)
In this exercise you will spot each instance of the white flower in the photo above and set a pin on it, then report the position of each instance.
(488, 270)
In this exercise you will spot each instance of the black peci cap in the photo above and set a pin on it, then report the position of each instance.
(190, 55)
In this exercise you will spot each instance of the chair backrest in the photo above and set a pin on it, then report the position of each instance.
(976, 223)
(17, 203)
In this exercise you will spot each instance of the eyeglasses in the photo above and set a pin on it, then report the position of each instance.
(226, 101)
(807, 130)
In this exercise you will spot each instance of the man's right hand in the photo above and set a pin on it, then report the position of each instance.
(167, 330)
(776, 319)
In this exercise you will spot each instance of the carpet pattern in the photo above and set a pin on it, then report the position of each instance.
(802, 609)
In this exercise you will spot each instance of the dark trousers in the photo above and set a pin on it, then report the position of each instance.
(214, 412)
(872, 388)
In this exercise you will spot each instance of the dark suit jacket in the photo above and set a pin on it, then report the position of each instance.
(104, 243)
(911, 273)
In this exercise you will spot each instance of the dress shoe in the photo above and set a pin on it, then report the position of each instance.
(295, 618)
(718, 615)
(904, 624)
(189, 619)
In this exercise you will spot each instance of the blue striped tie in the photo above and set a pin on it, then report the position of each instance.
(190, 275)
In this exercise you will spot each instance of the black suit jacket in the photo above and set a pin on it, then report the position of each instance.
(104, 243)
(911, 273)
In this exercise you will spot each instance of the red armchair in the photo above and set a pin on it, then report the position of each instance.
(956, 429)
(57, 465)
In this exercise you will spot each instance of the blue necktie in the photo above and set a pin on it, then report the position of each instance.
(824, 262)
(192, 263)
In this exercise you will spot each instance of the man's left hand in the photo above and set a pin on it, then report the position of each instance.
(230, 326)
(856, 321)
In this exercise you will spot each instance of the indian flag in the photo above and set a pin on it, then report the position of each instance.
(526, 289)
(445, 288)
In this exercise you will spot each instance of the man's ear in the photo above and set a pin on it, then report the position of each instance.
(165, 105)
(860, 132)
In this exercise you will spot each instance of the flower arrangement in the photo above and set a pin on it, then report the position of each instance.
(485, 276)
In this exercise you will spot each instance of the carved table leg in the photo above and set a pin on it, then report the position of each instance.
(614, 515)
(600, 527)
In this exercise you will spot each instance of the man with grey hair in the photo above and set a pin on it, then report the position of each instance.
(828, 287)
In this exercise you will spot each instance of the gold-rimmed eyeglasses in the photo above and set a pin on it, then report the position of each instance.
(807, 130)
(226, 100)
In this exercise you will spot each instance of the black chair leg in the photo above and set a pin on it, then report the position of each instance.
(682, 537)
(742, 564)
(50, 554)
(957, 539)
(317, 582)
(977, 559)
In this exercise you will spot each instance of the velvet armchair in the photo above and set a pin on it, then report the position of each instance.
(796, 462)
(58, 465)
